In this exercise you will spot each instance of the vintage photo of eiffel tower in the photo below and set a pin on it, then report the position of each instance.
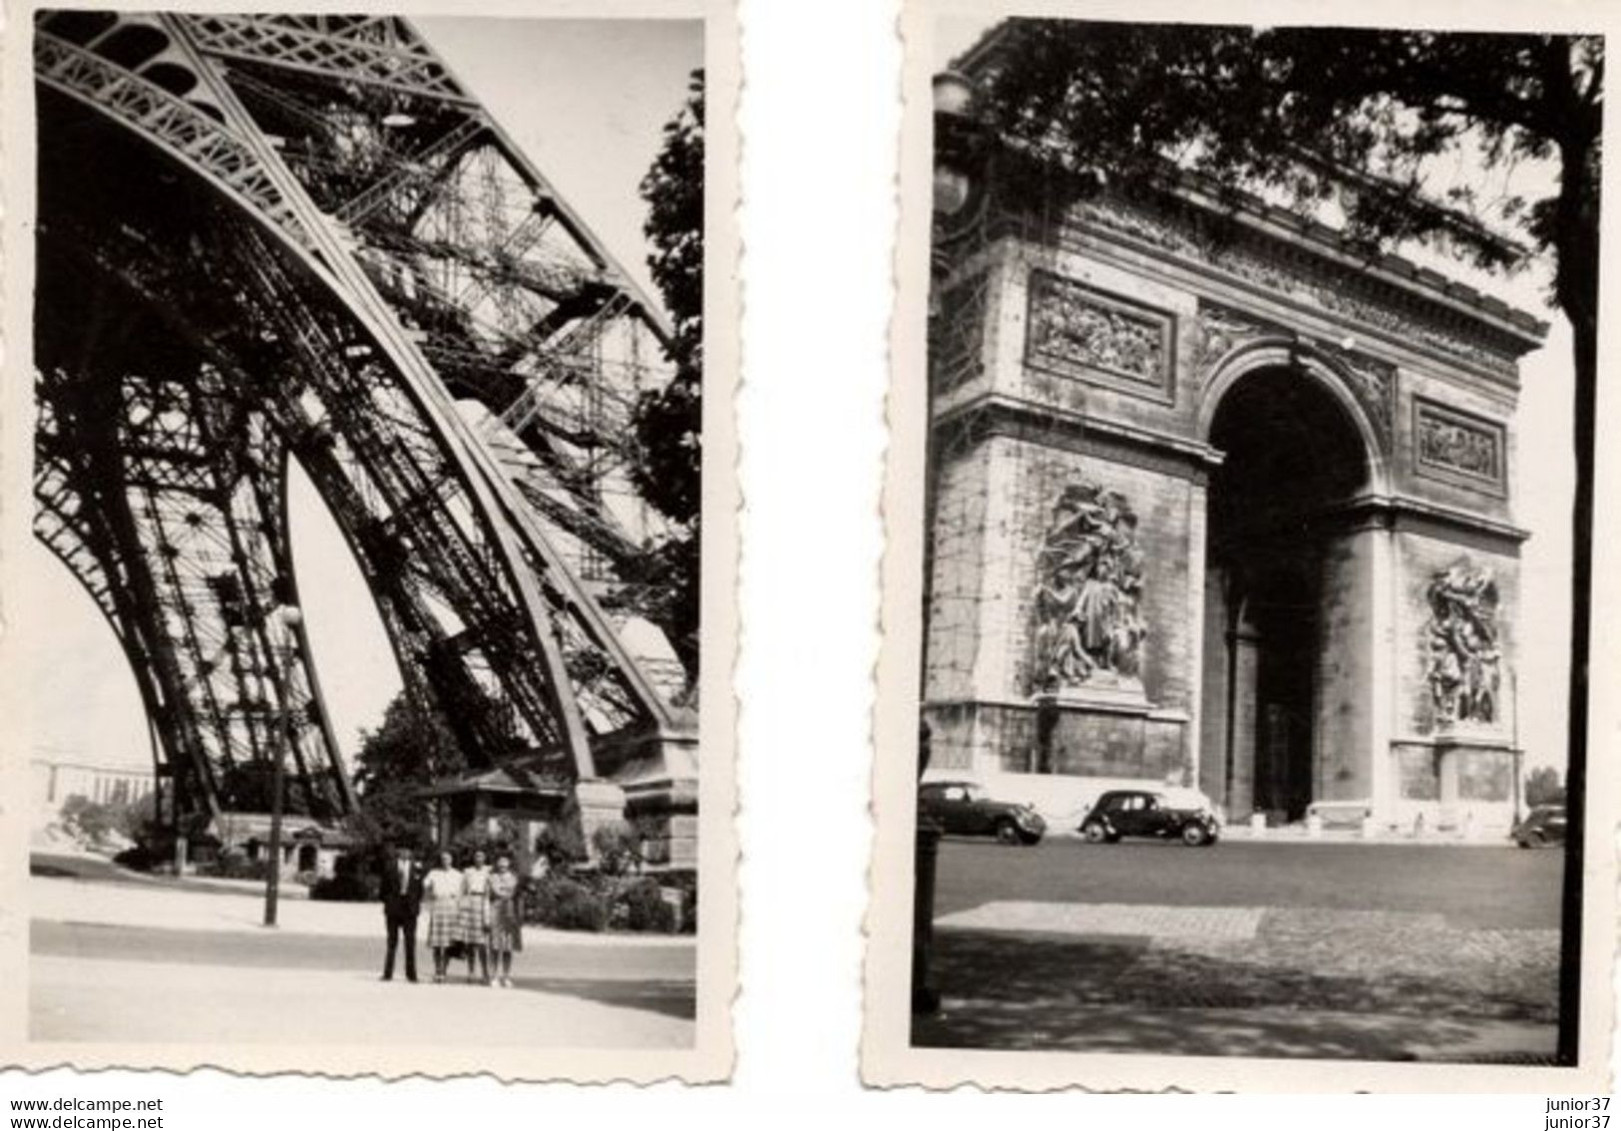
(369, 370)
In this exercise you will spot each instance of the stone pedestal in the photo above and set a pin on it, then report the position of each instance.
(601, 803)
(1108, 730)
(656, 772)
(1477, 782)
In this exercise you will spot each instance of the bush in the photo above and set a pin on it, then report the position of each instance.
(568, 904)
(344, 889)
(639, 906)
(593, 901)
(143, 858)
(686, 882)
(654, 834)
(235, 867)
(99, 824)
(503, 842)
(560, 844)
(619, 848)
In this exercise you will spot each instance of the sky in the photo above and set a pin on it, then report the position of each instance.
(1542, 468)
(587, 101)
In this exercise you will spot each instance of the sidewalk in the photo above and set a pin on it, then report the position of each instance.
(111, 961)
(1266, 1032)
(1298, 834)
(80, 999)
(1241, 981)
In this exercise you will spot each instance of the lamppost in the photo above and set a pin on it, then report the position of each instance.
(281, 628)
(957, 169)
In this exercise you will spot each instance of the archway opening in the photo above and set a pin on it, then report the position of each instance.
(1277, 589)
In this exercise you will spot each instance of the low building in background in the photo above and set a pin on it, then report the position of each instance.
(308, 846)
(57, 777)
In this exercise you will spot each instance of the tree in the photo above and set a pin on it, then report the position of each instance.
(1542, 787)
(411, 749)
(668, 422)
(1359, 116)
(92, 822)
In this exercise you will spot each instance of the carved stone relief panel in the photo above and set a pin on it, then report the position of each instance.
(1463, 449)
(1300, 279)
(1374, 384)
(1222, 330)
(1079, 332)
(1089, 575)
(1463, 660)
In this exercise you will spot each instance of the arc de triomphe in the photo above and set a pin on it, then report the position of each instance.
(1214, 499)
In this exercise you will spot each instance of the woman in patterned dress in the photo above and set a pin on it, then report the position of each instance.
(506, 923)
(473, 924)
(442, 892)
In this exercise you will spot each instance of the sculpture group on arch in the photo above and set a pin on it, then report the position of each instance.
(1464, 657)
(1091, 569)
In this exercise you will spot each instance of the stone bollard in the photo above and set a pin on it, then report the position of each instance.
(1314, 824)
(1258, 825)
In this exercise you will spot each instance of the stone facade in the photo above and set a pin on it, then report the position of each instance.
(55, 779)
(1085, 354)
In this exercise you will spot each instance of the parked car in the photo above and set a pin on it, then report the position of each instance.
(964, 808)
(1542, 827)
(1147, 812)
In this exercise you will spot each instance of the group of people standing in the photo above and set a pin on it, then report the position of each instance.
(475, 908)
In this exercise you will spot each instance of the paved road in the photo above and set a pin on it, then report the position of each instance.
(1471, 886)
(1385, 952)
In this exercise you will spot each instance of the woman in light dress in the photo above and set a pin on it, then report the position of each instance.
(473, 924)
(506, 921)
(442, 893)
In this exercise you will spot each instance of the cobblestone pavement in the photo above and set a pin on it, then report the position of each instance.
(1321, 982)
(1150, 921)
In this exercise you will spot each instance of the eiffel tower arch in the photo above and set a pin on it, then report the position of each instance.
(269, 239)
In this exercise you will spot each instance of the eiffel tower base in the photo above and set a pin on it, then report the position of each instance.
(601, 803)
(657, 776)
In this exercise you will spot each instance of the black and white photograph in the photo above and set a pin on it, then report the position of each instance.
(1243, 556)
(366, 630)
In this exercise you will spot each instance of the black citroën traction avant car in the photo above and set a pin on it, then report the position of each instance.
(1146, 812)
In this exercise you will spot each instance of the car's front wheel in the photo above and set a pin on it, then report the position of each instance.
(1194, 835)
(1007, 831)
(1094, 832)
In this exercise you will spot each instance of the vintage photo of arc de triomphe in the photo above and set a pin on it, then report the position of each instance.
(1234, 585)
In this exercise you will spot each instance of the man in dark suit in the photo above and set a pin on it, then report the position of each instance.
(402, 900)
